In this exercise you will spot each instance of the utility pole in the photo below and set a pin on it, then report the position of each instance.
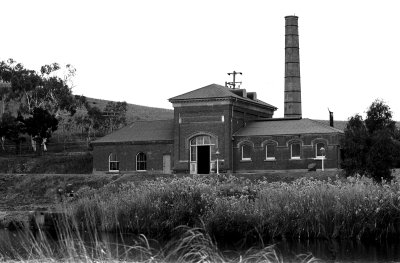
(233, 83)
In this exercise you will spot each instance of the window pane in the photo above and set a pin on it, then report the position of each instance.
(199, 140)
(193, 153)
(207, 140)
(270, 150)
(113, 157)
(142, 166)
(114, 166)
(141, 162)
(296, 150)
(193, 141)
(213, 140)
(318, 149)
(246, 152)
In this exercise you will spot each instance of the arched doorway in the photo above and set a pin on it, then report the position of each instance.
(201, 148)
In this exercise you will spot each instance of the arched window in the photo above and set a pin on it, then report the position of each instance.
(113, 164)
(318, 150)
(270, 150)
(246, 152)
(295, 150)
(141, 162)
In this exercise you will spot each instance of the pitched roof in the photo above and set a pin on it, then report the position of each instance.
(285, 127)
(341, 125)
(215, 91)
(141, 131)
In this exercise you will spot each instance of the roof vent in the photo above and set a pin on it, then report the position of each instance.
(239, 92)
(252, 95)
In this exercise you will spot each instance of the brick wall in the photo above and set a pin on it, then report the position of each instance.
(126, 154)
(282, 153)
(214, 119)
(191, 121)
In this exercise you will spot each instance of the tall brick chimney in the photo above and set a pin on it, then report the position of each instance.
(292, 69)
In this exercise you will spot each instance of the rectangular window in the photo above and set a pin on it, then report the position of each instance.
(295, 151)
(114, 166)
(246, 153)
(270, 152)
(319, 150)
(141, 161)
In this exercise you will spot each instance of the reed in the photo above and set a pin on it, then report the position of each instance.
(232, 209)
(192, 245)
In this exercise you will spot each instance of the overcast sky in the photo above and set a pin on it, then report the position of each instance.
(147, 51)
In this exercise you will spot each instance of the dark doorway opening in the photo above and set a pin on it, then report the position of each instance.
(203, 159)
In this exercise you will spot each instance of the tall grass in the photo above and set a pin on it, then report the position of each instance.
(237, 210)
(193, 245)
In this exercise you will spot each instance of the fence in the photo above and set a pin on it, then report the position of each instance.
(26, 148)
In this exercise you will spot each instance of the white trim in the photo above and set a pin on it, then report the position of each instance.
(266, 152)
(241, 149)
(316, 150)
(137, 161)
(291, 151)
(116, 162)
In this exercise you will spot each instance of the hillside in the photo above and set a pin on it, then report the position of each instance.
(137, 112)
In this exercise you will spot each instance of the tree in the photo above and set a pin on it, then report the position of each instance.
(91, 122)
(382, 155)
(379, 117)
(12, 128)
(96, 117)
(115, 114)
(40, 126)
(355, 146)
(371, 147)
(44, 89)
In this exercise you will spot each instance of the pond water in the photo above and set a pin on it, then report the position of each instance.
(18, 245)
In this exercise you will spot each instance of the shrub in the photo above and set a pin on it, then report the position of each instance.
(306, 208)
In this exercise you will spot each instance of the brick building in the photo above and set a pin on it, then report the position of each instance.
(231, 123)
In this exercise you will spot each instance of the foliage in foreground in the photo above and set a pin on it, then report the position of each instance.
(191, 245)
(233, 209)
(371, 147)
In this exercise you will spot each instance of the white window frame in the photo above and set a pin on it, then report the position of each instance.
(200, 140)
(291, 151)
(116, 162)
(141, 161)
(266, 152)
(316, 150)
(245, 158)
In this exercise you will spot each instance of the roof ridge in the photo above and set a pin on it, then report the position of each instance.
(328, 126)
(213, 84)
(278, 119)
(215, 91)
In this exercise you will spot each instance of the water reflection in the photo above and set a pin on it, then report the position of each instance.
(17, 245)
(343, 250)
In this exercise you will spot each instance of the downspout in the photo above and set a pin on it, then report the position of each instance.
(232, 138)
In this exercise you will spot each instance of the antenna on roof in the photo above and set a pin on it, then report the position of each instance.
(234, 82)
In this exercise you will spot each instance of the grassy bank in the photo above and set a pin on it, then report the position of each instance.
(22, 193)
(239, 210)
(81, 163)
